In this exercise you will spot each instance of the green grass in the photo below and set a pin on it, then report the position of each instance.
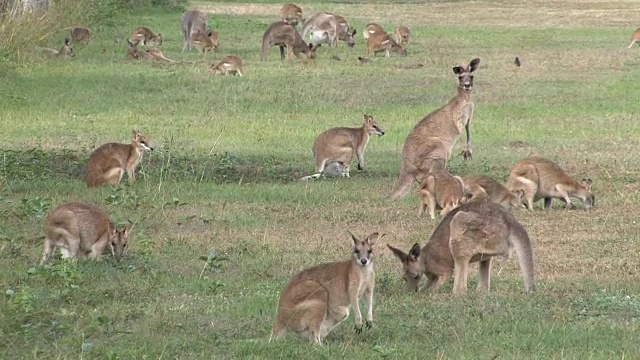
(223, 180)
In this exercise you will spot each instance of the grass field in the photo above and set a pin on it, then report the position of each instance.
(223, 180)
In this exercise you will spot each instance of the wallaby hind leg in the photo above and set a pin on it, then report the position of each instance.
(49, 248)
(461, 269)
(484, 275)
(278, 331)
(113, 176)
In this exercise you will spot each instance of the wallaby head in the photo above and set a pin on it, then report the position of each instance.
(140, 141)
(412, 266)
(66, 50)
(349, 36)
(132, 50)
(402, 35)
(118, 242)
(80, 34)
(291, 14)
(311, 53)
(371, 126)
(589, 199)
(465, 74)
(363, 249)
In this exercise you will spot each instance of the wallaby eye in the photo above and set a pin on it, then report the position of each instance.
(369, 252)
(113, 243)
(356, 251)
(124, 245)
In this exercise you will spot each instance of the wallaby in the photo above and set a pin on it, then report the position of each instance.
(148, 54)
(402, 35)
(206, 41)
(80, 34)
(78, 229)
(542, 178)
(145, 36)
(635, 37)
(340, 144)
(429, 144)
(193, 21)
(66, 51)
(291, 14)
(108, 163)
(286, 36)
(442, 190)
(329, 28)
(371, 28)
(475, 231)
(318, 299)
(230, 64)
(484, 188)
(381, 41)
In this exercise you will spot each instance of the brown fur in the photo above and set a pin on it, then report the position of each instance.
(318, 299)
(205, 41)
(473, 232)
(484, 188)
(441, 190)
(381, 41)
(402, 35)
(230, 64)
(148, 54)
(329, 28)
(429, 144)
(338, 145)
(78, 229)
(635, 37)
(145, 36)
(65, 52)
(80, 34)
(372, 28)
(542, 178)
(193, 21)
(291, 14)
(108, 163)
(286, 36)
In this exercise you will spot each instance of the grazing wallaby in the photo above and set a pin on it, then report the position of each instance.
(286, 36)
(484, 188)
(340, 144)
(206, 41)
(371, 28)
(230, 64)
(475, 231)
(145, 36)
(66, 51)
(318, 299)
(429, 144)
(149, 54)
(80, 34)
(381, 41)
(443, 190)
(542, 178)
(108, 163)
(78, 229)
(193, 21)
(635, 37)
(402, 35)
(291, 14)
(329, 28)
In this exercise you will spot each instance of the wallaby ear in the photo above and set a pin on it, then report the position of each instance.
(458, 70)
(353, 32)
(66, 41)
(519, 194)
(310, 46)
(373, 238)
(135, 134)
(398, 253)
(129, 43)
(354, 238)
(367, 118)
(586, 183)
(473, 65)
(209, 33)
(414, 253)
(127, 229)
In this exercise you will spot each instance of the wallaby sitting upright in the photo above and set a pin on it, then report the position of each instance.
(402, 35)
(429, 144)
(540, 178)
(291, 14)
(286, 36)
(80, 34)
(442, 190)
(340, 144)
(318, 299)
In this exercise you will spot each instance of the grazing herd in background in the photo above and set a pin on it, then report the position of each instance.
(477, 223)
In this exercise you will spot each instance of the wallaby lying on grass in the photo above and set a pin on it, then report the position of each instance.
(381, 41)
(286, 36)
(145, 36)
(65, 52)
(340, 144)
(192, 22)
(80, 34)
(484, 188)
(635, 37)
(541, 178)
(108, 163)
(441, 190)
(318, 299)
(475, 231)
(78, 229)
(402, 35)
(291, 14)
(429, 144)
(372, 28)
(206, 41)
(230, 64)
(329, 28)
(148, 54)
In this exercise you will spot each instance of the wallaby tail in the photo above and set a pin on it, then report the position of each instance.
(522, 246)
(265, 46)
(402, 186)
(186, 33)
(311, 177)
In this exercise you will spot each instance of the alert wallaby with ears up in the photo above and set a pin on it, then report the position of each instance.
(442, 190)
(475, 231)
(372, 28)
(429, 144)
(402, 35)
(318, 299)
(108, 163)
(286, 36)
(635, 37)
(80, 34)
(193, 21)
(291, 14)
(381, 41)
(78, 229)
(66, 51)
(144, 36)
(540, 178)
(229, 65)
(340, 144)
(484, 188)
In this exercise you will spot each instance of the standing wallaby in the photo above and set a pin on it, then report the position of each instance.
(108, 163)
(148, 54)
(318, 299)
(80, 34)
(144, 36)
(484, 188)
(205, 41)
(340, 144)
(371, 28)
(473, 232)
(635, 37)
(291, 14)
(442, 190)
(78, 229)
(286, 36)
(381, 41)
(402, 35)
(65, 52)
(193, 21)
(429, 144)
(540, 178)
(230, 64)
